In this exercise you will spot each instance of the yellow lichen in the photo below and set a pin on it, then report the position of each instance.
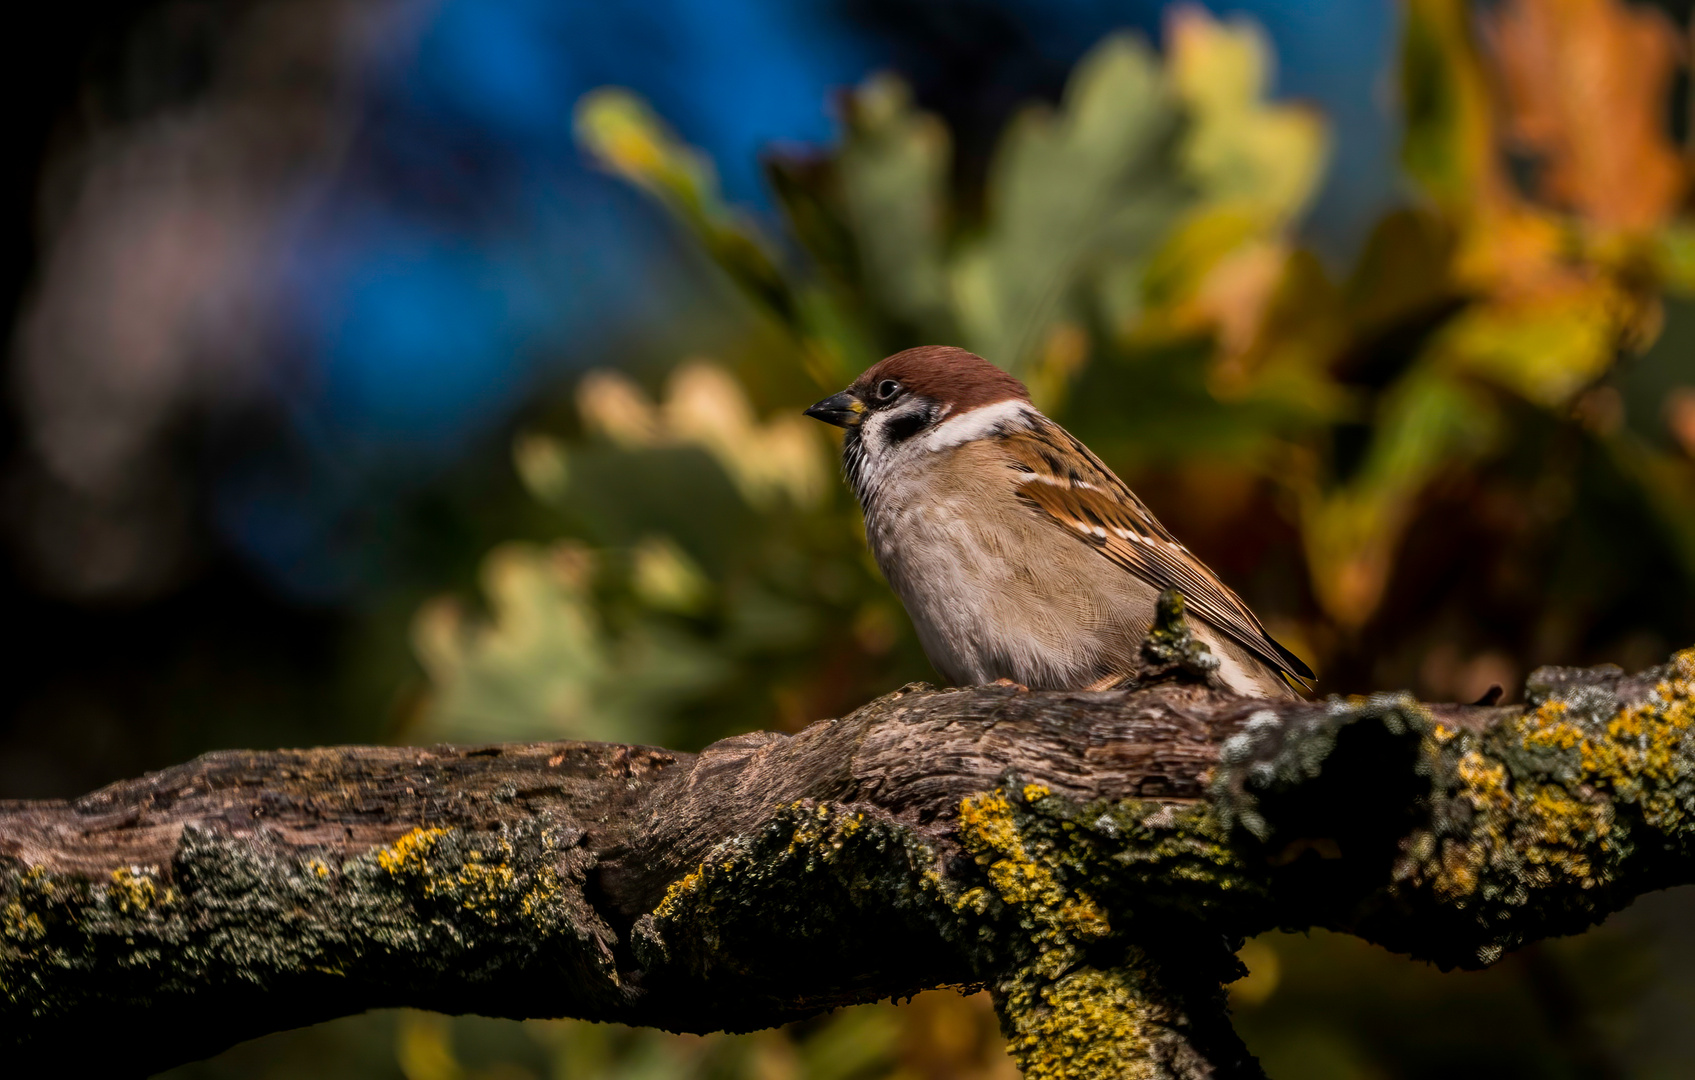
(22, 925)
(482, 885)
(483, 881)
(410, 854)
(18, 923)
(1553, 830)
(682, 889)
(1485, 781)
(134, 890)
(823, 827)
(1076, 1002)
(1021, 878)
(1460, 867)
(1639, 753)
(819, 857)
(1560, 830)
(820, 829)
(1067, 1020)
(1089, 1023)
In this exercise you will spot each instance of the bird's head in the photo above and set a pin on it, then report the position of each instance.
(912, 392)
(914, 403)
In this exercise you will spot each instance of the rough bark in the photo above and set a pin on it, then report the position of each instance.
(1095, 859)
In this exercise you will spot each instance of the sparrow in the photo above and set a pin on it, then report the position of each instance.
(1019, 555)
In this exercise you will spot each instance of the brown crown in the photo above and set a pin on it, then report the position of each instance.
(946, 374)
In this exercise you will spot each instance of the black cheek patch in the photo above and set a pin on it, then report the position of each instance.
(900, 428)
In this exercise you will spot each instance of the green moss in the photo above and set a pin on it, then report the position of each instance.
(435, 909)
(813, 872)
(1077, 994)
(1057, 920)
(1048, 920)
(1171, 646)
(1535, 822)
(1540, 824)
(1103, 929)
(490, 879)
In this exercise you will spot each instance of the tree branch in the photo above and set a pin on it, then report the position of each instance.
(1095, 859)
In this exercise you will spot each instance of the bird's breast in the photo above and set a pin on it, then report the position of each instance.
(994, 590)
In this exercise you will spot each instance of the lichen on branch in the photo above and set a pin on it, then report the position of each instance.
(1577, 803)
(1091, 858)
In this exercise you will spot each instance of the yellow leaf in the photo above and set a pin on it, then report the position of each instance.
(1545, 350)
(1449, 146)
(1674, 256)
(625, 136)
(1266, 157)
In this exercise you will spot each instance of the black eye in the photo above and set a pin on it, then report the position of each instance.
(887, 389)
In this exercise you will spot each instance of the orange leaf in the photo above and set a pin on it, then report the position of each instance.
(1586, 86)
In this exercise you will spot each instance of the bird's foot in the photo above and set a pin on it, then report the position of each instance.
(1009, 682)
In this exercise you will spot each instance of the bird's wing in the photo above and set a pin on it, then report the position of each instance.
(1062, 479)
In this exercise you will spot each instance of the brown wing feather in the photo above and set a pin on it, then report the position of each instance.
(1073, 487)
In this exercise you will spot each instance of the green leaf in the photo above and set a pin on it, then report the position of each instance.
(1546, 350)
(1448, 145)
(1427, 423)
(544, 664)
(1674, 256)
(534, 667)
(1070, 191)
(625, 137)
(894, 174)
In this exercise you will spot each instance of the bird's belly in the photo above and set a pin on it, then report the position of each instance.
(984, 608)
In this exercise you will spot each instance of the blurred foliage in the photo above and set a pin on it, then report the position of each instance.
(1436, 422)
(937, 1035)
(1470, 452)
(714, 576)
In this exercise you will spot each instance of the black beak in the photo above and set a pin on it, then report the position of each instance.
(844, 410)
